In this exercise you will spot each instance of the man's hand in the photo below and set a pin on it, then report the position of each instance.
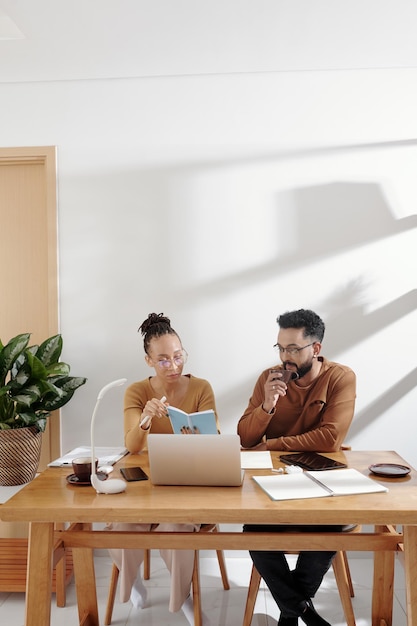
(274, 388)
(261, 447)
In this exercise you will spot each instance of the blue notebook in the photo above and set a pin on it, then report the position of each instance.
(200, 423)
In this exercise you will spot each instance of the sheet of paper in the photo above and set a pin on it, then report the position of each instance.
(255, 460)
(107, 455)
(290, 486)
(344, 482)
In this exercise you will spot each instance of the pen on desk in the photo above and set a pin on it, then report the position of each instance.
(145, 421)
(277, 471)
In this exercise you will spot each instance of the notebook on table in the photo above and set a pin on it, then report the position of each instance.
(203, 460)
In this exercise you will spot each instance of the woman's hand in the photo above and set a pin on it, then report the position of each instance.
(186, 430)
(153, 408)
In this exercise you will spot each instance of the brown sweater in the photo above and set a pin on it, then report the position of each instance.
(199, 397)
(314, 418)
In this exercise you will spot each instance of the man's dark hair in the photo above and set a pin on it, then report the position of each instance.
(312, 324)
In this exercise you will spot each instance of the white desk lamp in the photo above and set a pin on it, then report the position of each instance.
(113, 485)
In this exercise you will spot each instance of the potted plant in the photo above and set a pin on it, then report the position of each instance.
(33, 383)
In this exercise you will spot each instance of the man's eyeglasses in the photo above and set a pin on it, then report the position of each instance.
(178, 360)
(292, 351)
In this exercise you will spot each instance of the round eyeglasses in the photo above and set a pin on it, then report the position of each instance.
(177, 361)
(291, 350)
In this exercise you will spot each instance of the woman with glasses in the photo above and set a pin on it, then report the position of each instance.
(145, 411)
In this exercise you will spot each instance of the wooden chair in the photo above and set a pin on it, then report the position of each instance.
(343, 580)
(195, 583)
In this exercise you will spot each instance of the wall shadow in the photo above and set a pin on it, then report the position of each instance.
(349, 325)
(326, 220)
(384, 402)
(342, 216)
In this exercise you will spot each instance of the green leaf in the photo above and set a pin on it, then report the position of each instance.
(48, 387)
(39, 371)
(50, 350)
(10, 352)
(70, 383)
(58, 369)
(17, 364)
(67, 385)
(30, 418)
(52, 391)
(6, 408)
(41, 423)
(21, 376)
(28, 396)
(51, 396)
(57, 403)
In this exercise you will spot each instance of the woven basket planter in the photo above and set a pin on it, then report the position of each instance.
(20, 451)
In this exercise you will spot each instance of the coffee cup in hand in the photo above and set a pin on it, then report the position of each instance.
(286, 375)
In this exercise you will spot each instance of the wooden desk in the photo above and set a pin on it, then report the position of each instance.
(50, 499)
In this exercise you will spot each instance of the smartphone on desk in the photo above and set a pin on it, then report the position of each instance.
(132, 474)
(311, 461)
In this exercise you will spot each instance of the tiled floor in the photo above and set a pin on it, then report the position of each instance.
(223, 608)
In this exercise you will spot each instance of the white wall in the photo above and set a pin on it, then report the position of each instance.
(224, 201)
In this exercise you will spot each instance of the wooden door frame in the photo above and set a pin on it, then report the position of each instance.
(46, 156)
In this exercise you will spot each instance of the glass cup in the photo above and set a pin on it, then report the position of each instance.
(82, 468)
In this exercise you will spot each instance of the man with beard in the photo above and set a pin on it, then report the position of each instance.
(312, 412)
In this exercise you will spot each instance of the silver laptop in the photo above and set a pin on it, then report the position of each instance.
(202, 460)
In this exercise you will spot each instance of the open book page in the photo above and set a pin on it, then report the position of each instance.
(106, 455)
(346, 482)
(201, 422)
(290, 486)
(318, 484)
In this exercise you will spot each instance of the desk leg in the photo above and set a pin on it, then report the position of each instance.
(39, 574)
(383, 586)
(410, 564)
(85, 585)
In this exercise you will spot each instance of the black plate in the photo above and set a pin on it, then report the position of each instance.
(392, 470)
(73, 480)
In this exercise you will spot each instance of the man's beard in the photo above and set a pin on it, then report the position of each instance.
(302, 370)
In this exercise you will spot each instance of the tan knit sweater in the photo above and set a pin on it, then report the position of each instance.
(199, 397)
(313, 418)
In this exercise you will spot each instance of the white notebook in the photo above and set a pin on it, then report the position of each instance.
(340, 482)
